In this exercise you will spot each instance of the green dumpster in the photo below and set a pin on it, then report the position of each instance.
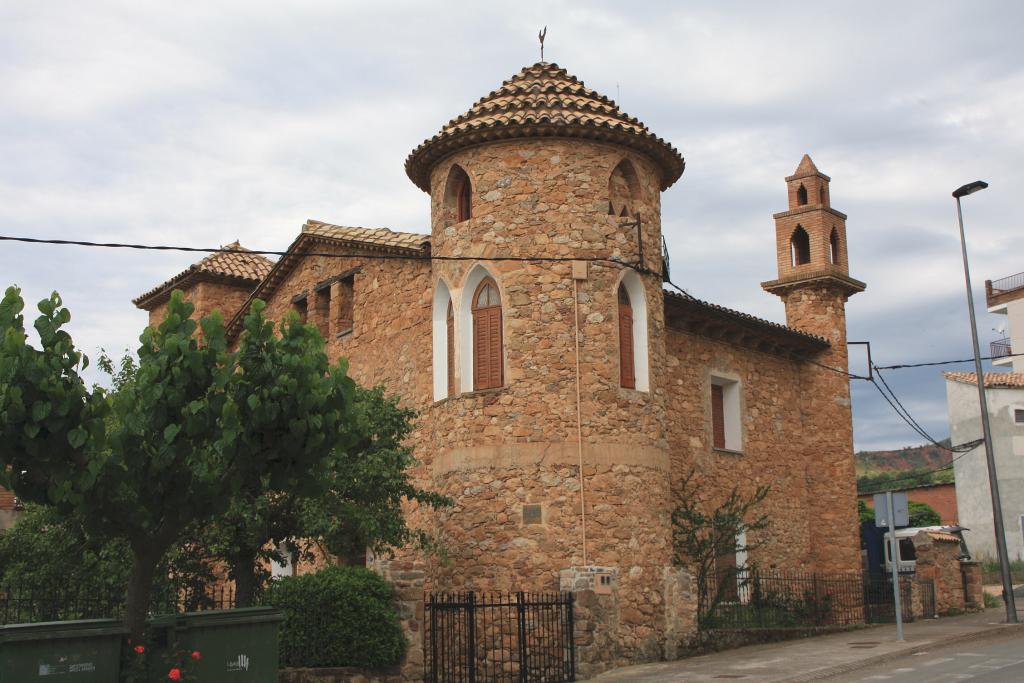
(235, 645)
(75, 651)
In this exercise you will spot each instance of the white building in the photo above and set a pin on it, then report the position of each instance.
(1006, 297)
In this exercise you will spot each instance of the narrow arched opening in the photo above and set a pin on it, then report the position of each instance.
(457, 202)
(833, 247)
(800, 246)
(623, 190)
(801, 195)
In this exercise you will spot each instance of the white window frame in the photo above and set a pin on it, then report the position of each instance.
(442, 295)
(638, 302)
(731, 415)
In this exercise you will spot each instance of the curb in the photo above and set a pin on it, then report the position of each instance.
(822, 674)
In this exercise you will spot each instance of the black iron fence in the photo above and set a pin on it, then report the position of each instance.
(773, 599)
(21, 604)
(499, 637)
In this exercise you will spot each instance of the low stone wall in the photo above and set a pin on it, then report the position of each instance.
(342, 674)
(974, 591)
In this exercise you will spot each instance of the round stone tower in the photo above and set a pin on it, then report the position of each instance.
(548, 334)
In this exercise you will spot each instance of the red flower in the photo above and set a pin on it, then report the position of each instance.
(174, 674)
(196, 656)
(139, 648)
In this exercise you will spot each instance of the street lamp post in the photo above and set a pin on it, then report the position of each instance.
(993, 482)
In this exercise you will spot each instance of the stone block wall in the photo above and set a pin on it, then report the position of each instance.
(974, 591)
(937, 561)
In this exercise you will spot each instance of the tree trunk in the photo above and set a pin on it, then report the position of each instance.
(140, 588)
(244, 571)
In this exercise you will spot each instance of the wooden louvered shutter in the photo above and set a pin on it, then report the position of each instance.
(494, 364)
(717, 416)
(451, 350)
(487, 341)
(627, 372)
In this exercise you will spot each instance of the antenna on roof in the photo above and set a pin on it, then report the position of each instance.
(542, 35)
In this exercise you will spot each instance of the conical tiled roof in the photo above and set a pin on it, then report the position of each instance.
(235, 264)
(543, 100)
(806, 166)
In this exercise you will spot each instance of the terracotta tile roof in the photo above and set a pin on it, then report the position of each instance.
(317, 232)
(797, 339)
(992, 379)
(238, 265)
(943, 536)
(372, 236)
(543, 100)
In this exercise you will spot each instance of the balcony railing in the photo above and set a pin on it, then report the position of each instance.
(994, 289)
(1000, 348)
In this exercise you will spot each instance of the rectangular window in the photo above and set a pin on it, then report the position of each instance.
(322, 308)
(344, 291)
(1018, 415)
(300, 306)
(726, 428)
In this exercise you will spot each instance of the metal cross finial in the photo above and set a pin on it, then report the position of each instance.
(542, 35)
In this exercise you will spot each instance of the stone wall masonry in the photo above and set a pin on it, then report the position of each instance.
(937, 562)
(974, 590)
(773, 428)
(208, 296)
(390, 339)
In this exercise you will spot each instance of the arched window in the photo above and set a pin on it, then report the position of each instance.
(833, 247)
(488, 372)
(623, 190)
(627, 365)
(458, 196)
(633, 354)
(801, 195)
(444, 343)
(800, 245)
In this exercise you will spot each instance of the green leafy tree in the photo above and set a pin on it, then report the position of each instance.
(921, 514)
(357, 506)
(193, 427)
(704, 533)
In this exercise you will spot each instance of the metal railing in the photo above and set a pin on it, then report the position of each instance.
(1007, 284)
(775, 600)
(1000, 348)
(499, 637)
(32, 604)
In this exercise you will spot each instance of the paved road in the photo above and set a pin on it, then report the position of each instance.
(989, 661)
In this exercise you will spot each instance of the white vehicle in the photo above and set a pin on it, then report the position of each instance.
(906, 561)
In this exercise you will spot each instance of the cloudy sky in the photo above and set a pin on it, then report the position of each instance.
(200, 123)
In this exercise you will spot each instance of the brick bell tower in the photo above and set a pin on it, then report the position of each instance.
(814, 283)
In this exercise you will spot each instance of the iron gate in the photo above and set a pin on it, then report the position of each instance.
(879, 602)
(500, 637)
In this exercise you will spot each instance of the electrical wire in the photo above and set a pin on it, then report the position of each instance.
(944, 362)
(380, 257)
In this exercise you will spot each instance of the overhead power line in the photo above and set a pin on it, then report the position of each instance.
(944, 362)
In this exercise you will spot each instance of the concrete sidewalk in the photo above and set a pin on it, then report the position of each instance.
(811, 659)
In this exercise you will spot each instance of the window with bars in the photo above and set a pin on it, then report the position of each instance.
(488, 372)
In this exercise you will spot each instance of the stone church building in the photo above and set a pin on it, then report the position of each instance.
(563, 393)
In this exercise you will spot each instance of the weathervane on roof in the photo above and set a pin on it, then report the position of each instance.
(542, 35)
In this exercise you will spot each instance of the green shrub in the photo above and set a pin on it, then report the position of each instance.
(992, 600)
(339, 616)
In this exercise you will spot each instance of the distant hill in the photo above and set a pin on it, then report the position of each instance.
(927, 456)
(903, 468)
